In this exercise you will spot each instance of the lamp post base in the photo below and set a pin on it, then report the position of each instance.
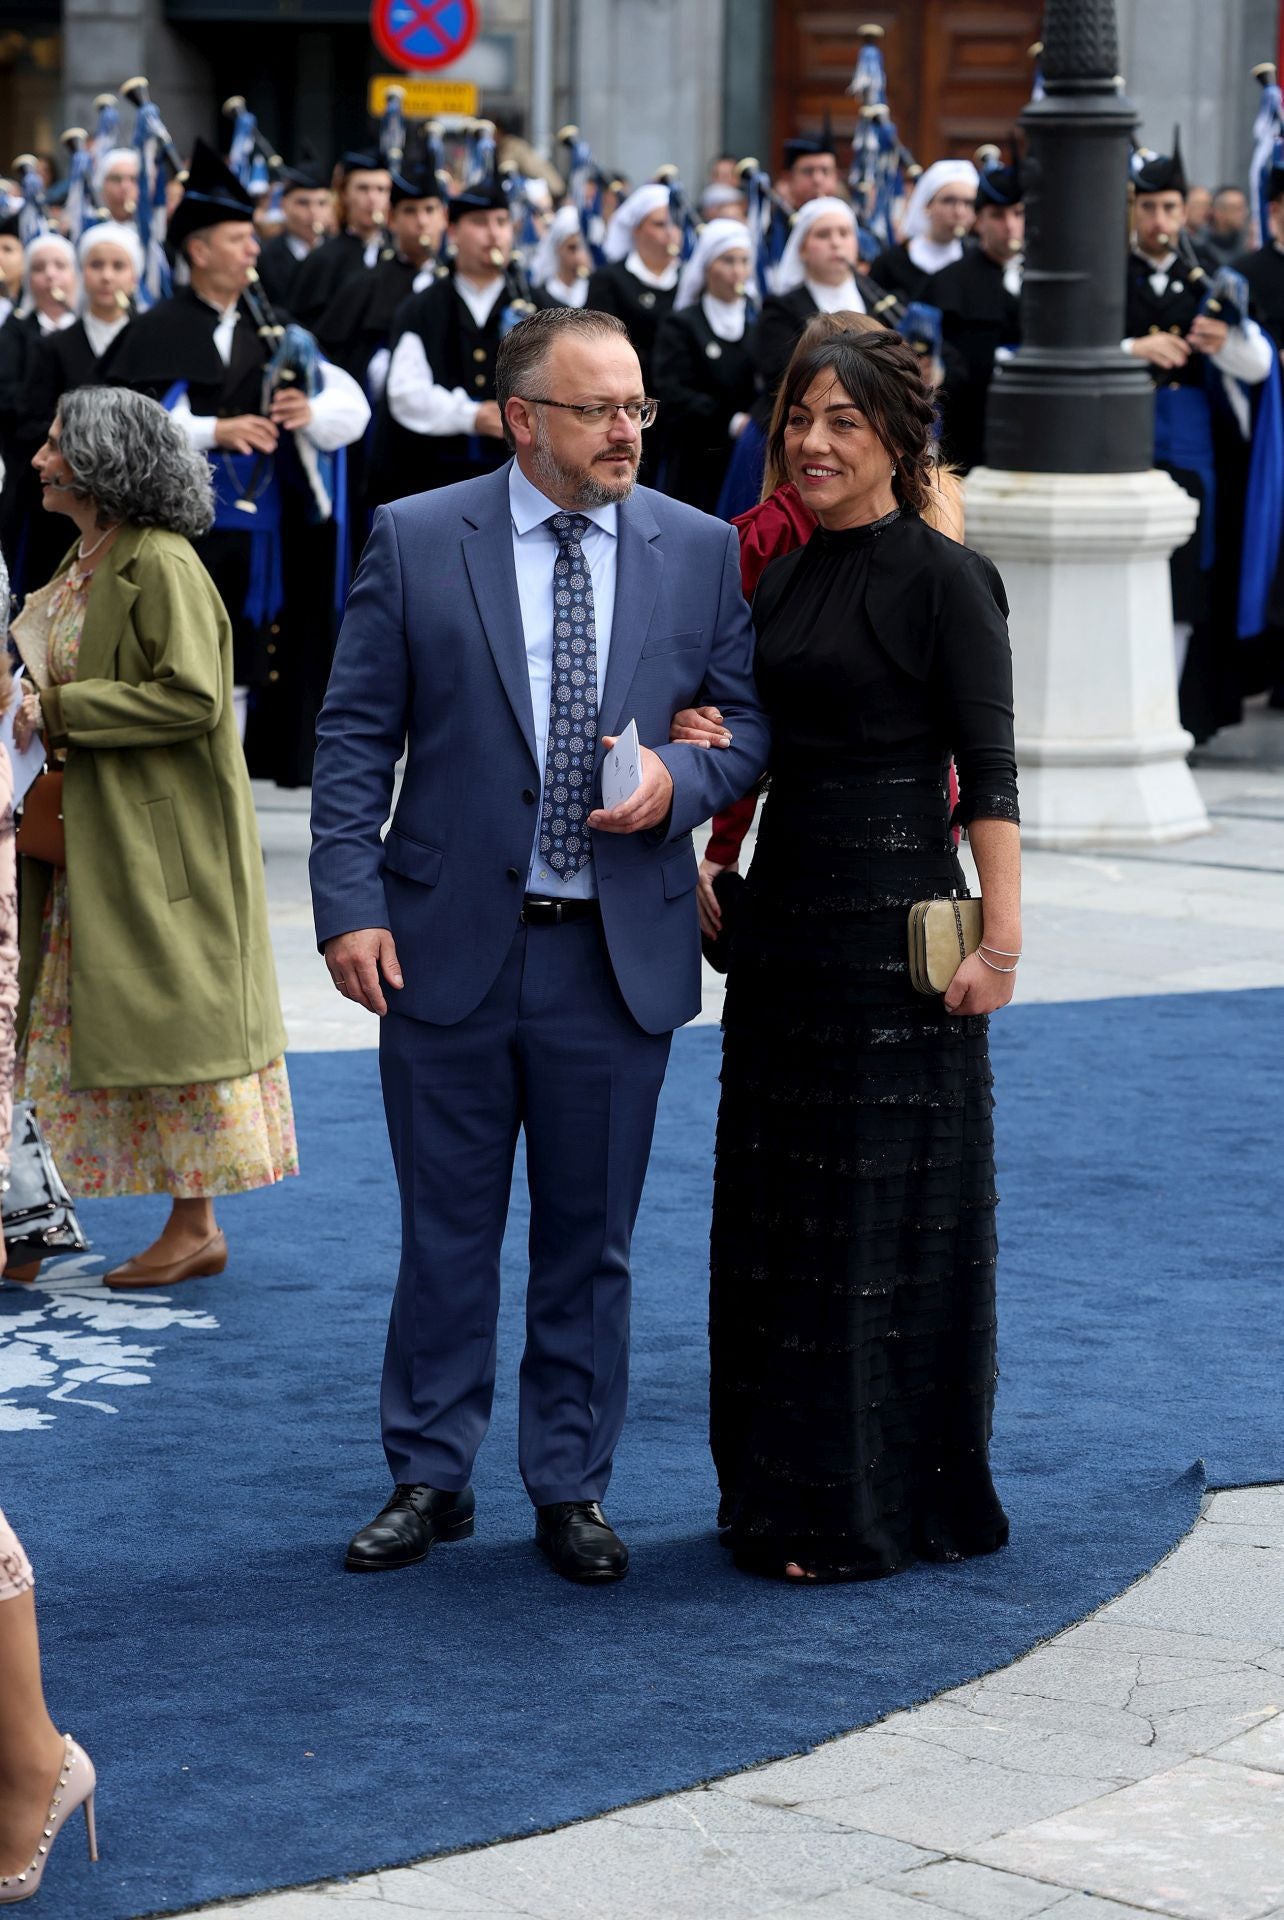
(1084, 557)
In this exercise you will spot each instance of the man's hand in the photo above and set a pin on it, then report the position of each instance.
(1167, 350)
(647, 807)
(489, 421)
(356, 960)
(246, 433)
(1208, 335)
(291, 409)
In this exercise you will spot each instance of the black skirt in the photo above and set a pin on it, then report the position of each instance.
(852, 1320)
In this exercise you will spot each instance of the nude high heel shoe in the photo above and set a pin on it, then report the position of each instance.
(75, 1788)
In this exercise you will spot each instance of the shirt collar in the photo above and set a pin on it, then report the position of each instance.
(530, 508)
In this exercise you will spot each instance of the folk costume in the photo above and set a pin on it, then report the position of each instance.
(338, 259)
(283, 256)
(1205, 415)
(442, 369)
(627, 287)
(704, 374)
(979, 300)
(273, 543)
(906, 268)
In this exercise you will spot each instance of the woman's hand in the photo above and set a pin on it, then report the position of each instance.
(707, 900)
(28, 721)
(977, 988)
(699, 727)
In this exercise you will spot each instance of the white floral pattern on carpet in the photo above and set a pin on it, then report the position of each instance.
(77, 1342)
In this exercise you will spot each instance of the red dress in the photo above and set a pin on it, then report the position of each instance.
(775, 526)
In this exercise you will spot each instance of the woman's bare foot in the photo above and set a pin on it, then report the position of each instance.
(25, 1798)
(794, 1572)
(191, 1225)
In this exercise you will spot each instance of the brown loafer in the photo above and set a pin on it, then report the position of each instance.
(206, 1261)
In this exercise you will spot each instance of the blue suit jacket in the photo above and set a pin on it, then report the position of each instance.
(432, 656)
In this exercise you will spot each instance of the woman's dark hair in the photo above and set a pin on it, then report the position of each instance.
(883, 378)
(129, 457)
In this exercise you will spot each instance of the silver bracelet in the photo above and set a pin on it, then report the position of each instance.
(990, 964)
(1001, 951)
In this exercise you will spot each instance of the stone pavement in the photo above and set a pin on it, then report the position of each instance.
(1133, 1764)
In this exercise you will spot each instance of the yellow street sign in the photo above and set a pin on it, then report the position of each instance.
(425, 99)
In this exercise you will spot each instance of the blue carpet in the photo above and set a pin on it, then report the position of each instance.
(259, 1718)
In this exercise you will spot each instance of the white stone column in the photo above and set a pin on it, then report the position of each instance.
(1084, 556)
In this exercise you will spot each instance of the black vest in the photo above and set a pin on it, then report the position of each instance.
(459, 354)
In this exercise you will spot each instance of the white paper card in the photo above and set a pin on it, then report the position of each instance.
(622, 769)
(25, 765)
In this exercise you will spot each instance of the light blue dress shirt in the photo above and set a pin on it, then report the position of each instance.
(534, 555)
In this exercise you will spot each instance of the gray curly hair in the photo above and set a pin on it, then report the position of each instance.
(128, 456)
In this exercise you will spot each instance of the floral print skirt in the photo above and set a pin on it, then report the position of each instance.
(193, 1143)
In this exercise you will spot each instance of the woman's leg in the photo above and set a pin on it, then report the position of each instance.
(31, 1748)
(190, 1226)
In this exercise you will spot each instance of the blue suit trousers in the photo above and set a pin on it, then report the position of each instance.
(551, 1050)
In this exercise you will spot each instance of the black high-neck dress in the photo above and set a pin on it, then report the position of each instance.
(852, 1317)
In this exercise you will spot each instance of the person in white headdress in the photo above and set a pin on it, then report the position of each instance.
(816, 274)
(718, 201)
(46, 305)
(938, 218)
(704, 369)
(639, 281)
(559, 269)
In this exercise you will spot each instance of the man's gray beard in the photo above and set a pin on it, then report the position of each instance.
(573, 484)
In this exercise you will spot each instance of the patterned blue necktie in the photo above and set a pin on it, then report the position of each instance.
(572, 720)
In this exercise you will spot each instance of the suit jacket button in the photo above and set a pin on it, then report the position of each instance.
(528, 796)
(513, 874)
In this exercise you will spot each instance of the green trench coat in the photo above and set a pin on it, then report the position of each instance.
(172, 976)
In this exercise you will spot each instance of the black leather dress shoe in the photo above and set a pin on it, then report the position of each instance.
(403, 1531)
(577, 1540)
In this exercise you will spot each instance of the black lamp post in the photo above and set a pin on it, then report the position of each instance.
(1069, 401)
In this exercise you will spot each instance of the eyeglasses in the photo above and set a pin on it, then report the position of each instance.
(601, 413)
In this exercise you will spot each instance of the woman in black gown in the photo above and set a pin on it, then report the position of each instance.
(853, 1245)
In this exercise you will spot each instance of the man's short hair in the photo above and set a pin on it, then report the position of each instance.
(522, 353)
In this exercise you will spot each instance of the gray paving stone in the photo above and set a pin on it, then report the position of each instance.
(698, 1867)
(1087, 1906)
(1261, 1508)
(1198, 1730)
(1057, 1674)
(980, 1733)
(1205, 1841)
(960, 1804)
(858, 1761)
(982, 1893)
(1248, 1688)
(1106, 1634)
(1061, 1718)
(1239, 1589)
(1262, 1747)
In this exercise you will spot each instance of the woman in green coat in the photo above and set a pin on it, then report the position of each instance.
(152, 1041)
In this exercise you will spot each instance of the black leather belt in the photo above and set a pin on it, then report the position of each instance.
(539, 912)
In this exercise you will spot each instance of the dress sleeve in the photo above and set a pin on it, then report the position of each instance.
(974, 659)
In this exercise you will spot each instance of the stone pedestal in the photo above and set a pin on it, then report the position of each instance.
(1084, 557)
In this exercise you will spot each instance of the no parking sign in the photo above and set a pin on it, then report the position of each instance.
(420, 35)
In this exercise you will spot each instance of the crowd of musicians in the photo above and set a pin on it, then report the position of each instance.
(327, 338)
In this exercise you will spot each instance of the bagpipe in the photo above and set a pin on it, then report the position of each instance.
(106, 135)
(881, 165)
(584, 190)
(1268, 145)
(250, 155)
(155, 148)
(767, 215)
(681, 212)
(33, 218)
(80, 181)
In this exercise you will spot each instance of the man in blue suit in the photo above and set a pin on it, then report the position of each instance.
(529, 953)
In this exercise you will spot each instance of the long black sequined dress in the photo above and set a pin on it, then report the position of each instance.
(852, 1318)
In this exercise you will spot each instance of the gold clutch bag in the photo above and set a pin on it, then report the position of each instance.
(942, 933)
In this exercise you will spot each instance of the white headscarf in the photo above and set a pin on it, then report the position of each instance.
(719, 195)
(112, 233)
(641, 202)
(41, 244)
(719, 237)
(941, 173)
(791, 273)
(566, 221)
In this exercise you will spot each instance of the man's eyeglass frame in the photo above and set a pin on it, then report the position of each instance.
(646, 410)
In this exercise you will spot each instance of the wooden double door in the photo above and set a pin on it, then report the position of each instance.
(958, 71)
